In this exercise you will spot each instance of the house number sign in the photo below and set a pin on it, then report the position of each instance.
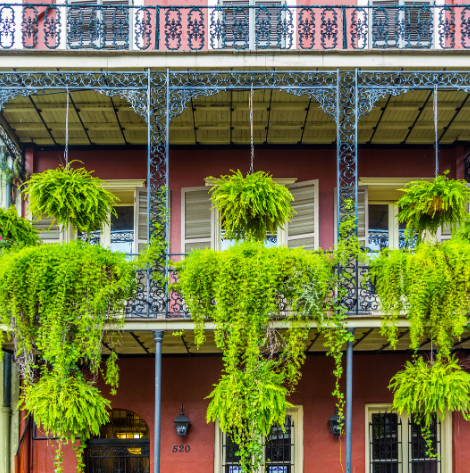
(181, 449)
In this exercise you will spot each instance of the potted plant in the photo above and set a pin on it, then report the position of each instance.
(15, 229)
(71, 197)
(428, 390)
(426, 206)
(251, 207)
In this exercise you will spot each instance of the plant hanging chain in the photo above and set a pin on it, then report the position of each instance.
(436, 139)
(66, 151)
(251, 128)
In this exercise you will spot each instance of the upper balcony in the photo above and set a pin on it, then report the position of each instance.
(234, 26)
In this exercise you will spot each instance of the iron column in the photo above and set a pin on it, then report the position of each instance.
(158, 337)
(349, 383)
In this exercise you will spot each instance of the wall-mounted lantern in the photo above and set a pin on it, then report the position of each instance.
(182, 424)
(334, 423)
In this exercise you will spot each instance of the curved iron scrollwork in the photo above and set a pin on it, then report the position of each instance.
(239, 27)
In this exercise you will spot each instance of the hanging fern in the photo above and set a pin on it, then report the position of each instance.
(427, 206)
(251, 207)
(16, 230)
(428, 390)
(60, 301)
(71, 197)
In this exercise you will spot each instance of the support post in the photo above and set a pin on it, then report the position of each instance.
(5, 416)
(158, 337)
(349, 384)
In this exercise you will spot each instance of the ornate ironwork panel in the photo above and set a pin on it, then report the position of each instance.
(240, 27)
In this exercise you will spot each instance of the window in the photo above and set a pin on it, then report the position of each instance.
(378, 226)
(394, 443)
(283, 451)
(123, 445)
(200, 226)
(401, 24)
(99, 24)
(268, 27)
(384, 229)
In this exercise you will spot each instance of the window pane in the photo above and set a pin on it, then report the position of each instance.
(420, 462)
(385, 443)
(378, 226)
(122, 229)
(279, 448)
(402, 242)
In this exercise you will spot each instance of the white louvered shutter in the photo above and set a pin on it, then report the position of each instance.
(362, 215)
(266, 23)
(419, 24)
(112, 22)
(238, 24)
(79, 20)
(197, 219)
(384, 24)
(303, 227)
(115, 19)
(140, 218)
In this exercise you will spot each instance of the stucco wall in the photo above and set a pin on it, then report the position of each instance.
(189, 380)
(188, 168)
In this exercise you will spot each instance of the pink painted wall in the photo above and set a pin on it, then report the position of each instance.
(189, 380)
(188, 168)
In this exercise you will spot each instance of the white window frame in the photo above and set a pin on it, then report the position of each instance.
(445, 437)
(393, 233)
(127, 187)
(297, 414)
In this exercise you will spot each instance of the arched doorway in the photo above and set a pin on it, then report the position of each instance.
(123, 445)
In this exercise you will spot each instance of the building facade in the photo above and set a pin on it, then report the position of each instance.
(348, 101)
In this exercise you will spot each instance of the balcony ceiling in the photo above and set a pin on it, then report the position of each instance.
(141, 343)
(279, 119)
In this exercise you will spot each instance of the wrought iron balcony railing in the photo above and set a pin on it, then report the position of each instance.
(361, 298)
(233, 27)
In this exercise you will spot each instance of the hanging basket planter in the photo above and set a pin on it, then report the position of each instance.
(427, 206)
(251, 207)
(71, 197)
(16, 230)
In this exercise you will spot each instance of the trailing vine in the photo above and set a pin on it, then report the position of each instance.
(61, 301)
(331, 317)
(251, 294)
(431, 287)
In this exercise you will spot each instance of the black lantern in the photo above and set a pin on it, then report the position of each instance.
(334, 423)
(181, 424)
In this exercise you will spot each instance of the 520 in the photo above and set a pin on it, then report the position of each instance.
(181, 449)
